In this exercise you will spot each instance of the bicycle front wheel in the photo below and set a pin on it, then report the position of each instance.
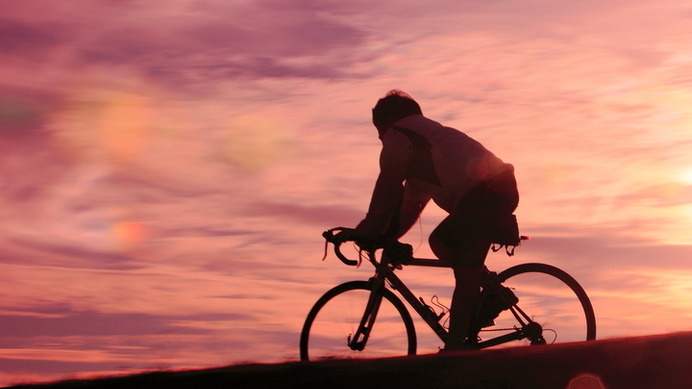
(334, 319)
(551, 298)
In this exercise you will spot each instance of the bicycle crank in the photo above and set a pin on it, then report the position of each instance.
(534, 332)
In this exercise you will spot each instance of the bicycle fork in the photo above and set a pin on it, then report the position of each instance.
(359, 339)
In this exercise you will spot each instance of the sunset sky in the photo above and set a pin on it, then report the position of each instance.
(167, 168)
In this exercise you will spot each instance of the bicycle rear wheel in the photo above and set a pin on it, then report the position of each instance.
(551, 298)
(335, 318)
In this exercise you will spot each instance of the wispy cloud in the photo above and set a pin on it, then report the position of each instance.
(192, 42)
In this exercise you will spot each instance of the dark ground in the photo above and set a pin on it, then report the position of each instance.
(662, 361)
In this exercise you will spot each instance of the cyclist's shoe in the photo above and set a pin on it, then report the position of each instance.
(466, 346)
(469, 344)
(494, 301)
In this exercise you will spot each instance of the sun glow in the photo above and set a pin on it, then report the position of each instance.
(686, 177)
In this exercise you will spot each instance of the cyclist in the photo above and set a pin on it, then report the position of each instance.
(423, 160)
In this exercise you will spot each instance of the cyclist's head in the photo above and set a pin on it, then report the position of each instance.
(392, 107)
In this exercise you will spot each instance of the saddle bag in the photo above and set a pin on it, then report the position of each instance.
(506, 231)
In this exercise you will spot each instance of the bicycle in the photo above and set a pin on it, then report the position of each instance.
(376, 323)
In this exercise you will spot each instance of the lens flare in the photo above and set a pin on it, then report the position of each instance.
(253, 142)
(113, 126)
(129, 235)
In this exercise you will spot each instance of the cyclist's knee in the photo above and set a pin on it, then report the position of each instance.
(471, 275)
(441, 248)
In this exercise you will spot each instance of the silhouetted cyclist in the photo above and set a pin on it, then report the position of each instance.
(422, 160)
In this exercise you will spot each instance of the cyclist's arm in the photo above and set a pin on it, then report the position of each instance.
(414, 200)
(389, 188)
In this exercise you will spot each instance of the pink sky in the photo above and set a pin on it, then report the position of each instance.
(167, 172)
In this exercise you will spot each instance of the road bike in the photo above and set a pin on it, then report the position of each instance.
(539, 303)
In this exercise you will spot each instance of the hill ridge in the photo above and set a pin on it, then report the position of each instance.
(655, 361)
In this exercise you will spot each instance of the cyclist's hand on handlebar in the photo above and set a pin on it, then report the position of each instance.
(349, 234)
(339, 235)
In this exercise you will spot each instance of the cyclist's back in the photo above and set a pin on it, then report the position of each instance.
(460, 163)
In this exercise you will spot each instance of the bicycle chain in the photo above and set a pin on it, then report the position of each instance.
(499, 329)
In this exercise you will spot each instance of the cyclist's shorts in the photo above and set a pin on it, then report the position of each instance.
(483, 211)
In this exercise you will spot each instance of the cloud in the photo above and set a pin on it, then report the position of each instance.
(605, 249)
(311, 214)
(67, 256)
(664, 194)
(198, 42)
(33, 40)
(86, 323)
(24, 113)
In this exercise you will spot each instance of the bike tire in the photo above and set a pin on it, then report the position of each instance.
(332, 320)
(552, 298)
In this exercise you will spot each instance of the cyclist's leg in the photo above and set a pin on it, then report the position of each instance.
(463, 238)
(466, 296)
(453, 242)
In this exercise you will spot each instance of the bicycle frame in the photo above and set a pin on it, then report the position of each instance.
(384, 272)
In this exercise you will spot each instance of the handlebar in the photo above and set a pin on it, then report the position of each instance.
(330, 237)
(402, 252)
